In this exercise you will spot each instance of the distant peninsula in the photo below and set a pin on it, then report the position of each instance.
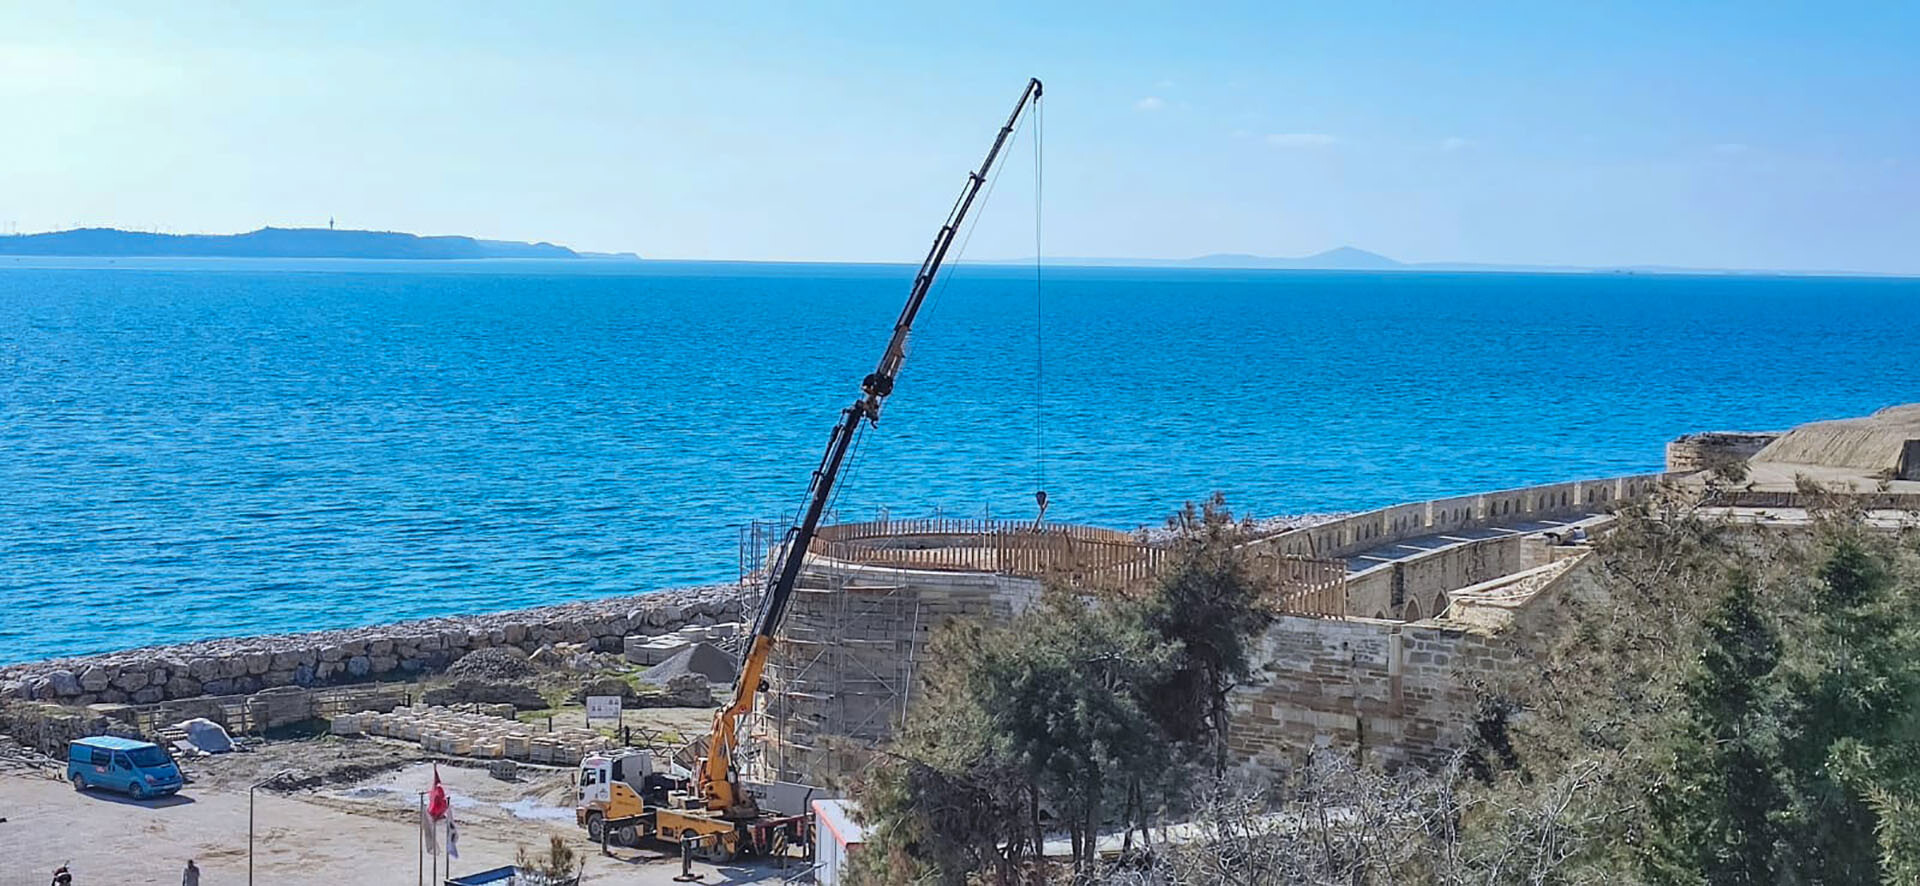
(1348, 258)
(281, 243)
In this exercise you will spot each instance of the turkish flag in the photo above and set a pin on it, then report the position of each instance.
(437, 803)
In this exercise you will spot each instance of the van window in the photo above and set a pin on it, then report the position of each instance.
(149, 757)
(120, 762)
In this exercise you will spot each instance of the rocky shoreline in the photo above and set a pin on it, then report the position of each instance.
(356, 655)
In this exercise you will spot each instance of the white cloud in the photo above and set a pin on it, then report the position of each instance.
(1150, 103)
(1730, 148)
(1301, 139)
(1454, 143)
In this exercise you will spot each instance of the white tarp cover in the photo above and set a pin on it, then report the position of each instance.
(206, 735)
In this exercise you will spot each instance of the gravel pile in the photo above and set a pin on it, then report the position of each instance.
(493, 663)
(700, 658)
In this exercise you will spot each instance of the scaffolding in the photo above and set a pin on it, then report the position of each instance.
(842, 671)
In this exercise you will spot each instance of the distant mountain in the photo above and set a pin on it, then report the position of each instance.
(1347, 258)
(278, 243)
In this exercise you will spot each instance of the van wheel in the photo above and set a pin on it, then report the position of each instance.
(138, 790)
(596, 825)
(79, 782)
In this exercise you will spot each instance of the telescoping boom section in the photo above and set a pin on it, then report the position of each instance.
(718, 782)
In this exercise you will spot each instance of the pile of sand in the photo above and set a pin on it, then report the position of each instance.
(1881, 444)
(699, 658)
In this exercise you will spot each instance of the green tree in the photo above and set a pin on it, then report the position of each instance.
(1047, 714)
(1852, 736)
(1207, 606)
(1714, 820)
(943, 801)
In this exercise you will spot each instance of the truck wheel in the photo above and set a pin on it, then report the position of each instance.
(596, 825)
(628, 836)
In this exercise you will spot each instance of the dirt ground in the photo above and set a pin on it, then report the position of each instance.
(345, 811)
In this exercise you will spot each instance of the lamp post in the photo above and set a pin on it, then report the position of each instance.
(250, 789)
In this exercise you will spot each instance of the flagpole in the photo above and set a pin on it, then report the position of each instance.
(420, 874)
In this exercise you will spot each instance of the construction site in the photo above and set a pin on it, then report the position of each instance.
(722, 731)
(1384, 620)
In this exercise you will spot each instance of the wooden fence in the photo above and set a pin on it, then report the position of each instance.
(1302, 585)
(1080, 554)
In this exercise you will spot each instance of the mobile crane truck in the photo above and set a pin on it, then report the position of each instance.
(623, 796)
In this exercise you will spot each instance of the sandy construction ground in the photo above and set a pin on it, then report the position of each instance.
(353, 820)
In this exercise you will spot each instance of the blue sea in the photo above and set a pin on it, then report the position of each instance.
(204, 448)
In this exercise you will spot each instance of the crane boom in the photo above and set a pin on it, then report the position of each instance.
(717, 780)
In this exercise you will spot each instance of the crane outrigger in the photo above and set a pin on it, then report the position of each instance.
(718, 811)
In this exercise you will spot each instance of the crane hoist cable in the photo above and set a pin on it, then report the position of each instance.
(1039, 330)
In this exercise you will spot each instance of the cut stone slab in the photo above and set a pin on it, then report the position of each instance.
(653, 650)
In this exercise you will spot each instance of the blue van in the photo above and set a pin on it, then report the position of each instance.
(138, 768)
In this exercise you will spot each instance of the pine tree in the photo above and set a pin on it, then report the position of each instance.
(1714, 822)
(1852, 746)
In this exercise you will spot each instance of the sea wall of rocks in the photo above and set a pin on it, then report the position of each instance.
(357, 655)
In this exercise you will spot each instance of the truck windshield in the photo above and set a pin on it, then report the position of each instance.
(146, 757)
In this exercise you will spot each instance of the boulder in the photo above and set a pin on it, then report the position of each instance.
(690, 690)
(61, 683)
(131, 681)
(95, 678)
(519, 695)
(359, 666)
(665, 614)
(604, 686)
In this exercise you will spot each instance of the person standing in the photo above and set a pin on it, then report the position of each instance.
(191, 876)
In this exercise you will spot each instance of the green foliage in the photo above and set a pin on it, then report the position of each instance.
(558, 865)
(1207, 607)
(1076, 714)
(1754, 695)
(1715, 818)
(1853, 725)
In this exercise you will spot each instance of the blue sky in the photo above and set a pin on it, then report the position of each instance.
(1748, 135)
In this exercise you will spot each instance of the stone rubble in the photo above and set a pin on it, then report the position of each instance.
(324, 658)
(441, 730)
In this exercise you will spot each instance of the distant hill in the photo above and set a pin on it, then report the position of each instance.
(278, 243)
(1347, 258)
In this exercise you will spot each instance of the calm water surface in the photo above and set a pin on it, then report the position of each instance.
(192, 449)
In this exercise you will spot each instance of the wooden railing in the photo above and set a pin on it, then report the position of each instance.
(1078, 554)
(1302, 585)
